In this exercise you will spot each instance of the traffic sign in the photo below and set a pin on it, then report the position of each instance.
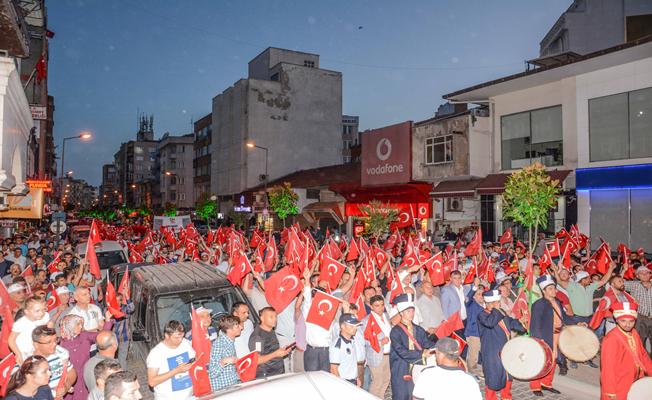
(58, 227)
(58, 216)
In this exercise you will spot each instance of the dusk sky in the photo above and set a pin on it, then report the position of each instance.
(111, 58)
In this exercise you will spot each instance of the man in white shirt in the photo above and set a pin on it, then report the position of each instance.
(430, 307)
(17, 257)
(446, 380)
(90, 313)
(318, 339)
(168, 364)
(240, 310)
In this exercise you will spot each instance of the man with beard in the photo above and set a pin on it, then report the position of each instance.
(623, 355)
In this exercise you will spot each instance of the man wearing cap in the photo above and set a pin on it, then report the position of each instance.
(548, 316)
(343, 354)
(378, 362)
(495, 330)
(409, 345)
(641, 291)
(623, 357)
(446, 380)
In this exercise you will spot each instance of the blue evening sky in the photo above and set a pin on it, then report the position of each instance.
(111, 58)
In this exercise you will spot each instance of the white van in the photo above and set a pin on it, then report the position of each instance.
(109, 253)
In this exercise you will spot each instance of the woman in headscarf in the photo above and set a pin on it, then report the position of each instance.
(78, 342)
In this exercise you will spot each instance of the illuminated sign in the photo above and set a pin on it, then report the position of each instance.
(46, 185)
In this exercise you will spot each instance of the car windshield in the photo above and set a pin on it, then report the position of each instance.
(110, 258)
(177, 306)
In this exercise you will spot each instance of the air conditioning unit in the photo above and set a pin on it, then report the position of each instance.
(454, 204)
(3, 202)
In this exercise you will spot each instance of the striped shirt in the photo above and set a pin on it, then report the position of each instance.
(642, 295)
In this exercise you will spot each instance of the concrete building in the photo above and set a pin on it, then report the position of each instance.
(78, 194)
(202, 161)
(176, 155)
(108, 193)
(136, 166)
(450, 151)
(350, 136)
(592, 25)
(589, 122)
(290, 108)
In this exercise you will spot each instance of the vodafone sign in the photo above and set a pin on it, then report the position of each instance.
(386, 155)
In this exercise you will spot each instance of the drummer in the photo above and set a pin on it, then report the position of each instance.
(548, 316)
(624, 354)
(495, 330)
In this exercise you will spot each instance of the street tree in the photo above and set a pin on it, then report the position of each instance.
(283, 200)
(377, 217)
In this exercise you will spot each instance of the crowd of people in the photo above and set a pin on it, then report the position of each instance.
(394, 313)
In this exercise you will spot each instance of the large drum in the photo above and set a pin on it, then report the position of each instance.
(641, 389)
(527, 358)
(578, 343)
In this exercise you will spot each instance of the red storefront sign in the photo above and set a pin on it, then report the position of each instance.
(386, 155)
(414, 210)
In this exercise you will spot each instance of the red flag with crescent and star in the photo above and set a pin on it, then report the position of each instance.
(507, 237)
(7, 324)
(435, 267)
(247, 366)
(452, 324)
(281, 288)
(112, 301)
(241, 267)
(53, 301)
(6, 365)
(323, 309)
(271, 254)
(473, 248)
(202, 345)
(371, 332)
(331, 271)
(124, 288)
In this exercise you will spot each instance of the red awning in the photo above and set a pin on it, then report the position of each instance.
(416, 192)
(464, 188)
(495, 183)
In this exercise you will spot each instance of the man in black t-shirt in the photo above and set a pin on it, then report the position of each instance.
(263, 340)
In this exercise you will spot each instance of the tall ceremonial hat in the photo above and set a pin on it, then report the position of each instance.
(404, 301)
(624, 310)
(545, 280)
(491, 295)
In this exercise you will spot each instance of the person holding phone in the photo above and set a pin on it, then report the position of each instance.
(263, 340)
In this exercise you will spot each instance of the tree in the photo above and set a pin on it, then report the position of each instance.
(529, 196)
(206, 208)
(377, 218)
(170, 210)
(283, 200)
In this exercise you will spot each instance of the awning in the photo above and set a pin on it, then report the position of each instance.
(463, 188)
(495, 183)
(332, 209)
(415, 192)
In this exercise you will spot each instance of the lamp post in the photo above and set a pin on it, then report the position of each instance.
(252, 145)
(83, 136)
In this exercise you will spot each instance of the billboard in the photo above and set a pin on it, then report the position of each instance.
(386, 155)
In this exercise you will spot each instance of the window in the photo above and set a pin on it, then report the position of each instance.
(308, 63)
(532, 136)
(173, 164)
(347, 144)
(138, 150)
(622, 216)
(439, 149)
(139, 158)
(182, 196)
(173, 196)
(173, 180)
(620, 126)
(347, 159)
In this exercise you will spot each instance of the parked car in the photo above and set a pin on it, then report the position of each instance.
(109, 253)
(79, 233)
(165, 292)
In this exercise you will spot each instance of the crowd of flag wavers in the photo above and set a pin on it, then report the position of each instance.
(394, 313)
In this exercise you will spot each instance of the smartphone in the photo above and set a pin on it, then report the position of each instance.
(192, 360)
(291, 346)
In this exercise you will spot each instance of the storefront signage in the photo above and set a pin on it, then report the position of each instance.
(28, 206)
(241, 208)
(386, 155)
(38, 112)
(46, 185)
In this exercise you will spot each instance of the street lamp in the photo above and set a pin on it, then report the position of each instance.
(82, 136)
(253, 145)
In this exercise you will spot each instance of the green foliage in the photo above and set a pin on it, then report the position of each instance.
(529, 196)
(377, 218)
(170, 210)
(206, 209)
(283, 200)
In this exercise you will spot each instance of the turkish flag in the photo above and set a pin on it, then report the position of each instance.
(452, 324)
(434, 266)
(571, 244)
(239, 270)
(553, 248)
(91, 257)
(473, 248)
(354, 251)
(191, 232)
(255, 240)
(27, 272)
(6, 365)
(134, 256)
(334, 249)
(94, 233)
(371, 332)
(247, 366)
(396, 286)
(202, 346)
(529, 274)
(460, 342)
(380, 256)
(112, 301)
(52, 267)
(565, 260)
(7, 324)
(473, 270)
(545, 261)
(323, 309)
(124, 288)
(362, 311)
(450, 265)
(331, 271)
(507, 237)
(391, 241)
(62, 380)
(411, 257)
(281, 288)
(520, 307)
(53, 301)
(271, 256)
(363, 247)
(602, 259)
(562, 233)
